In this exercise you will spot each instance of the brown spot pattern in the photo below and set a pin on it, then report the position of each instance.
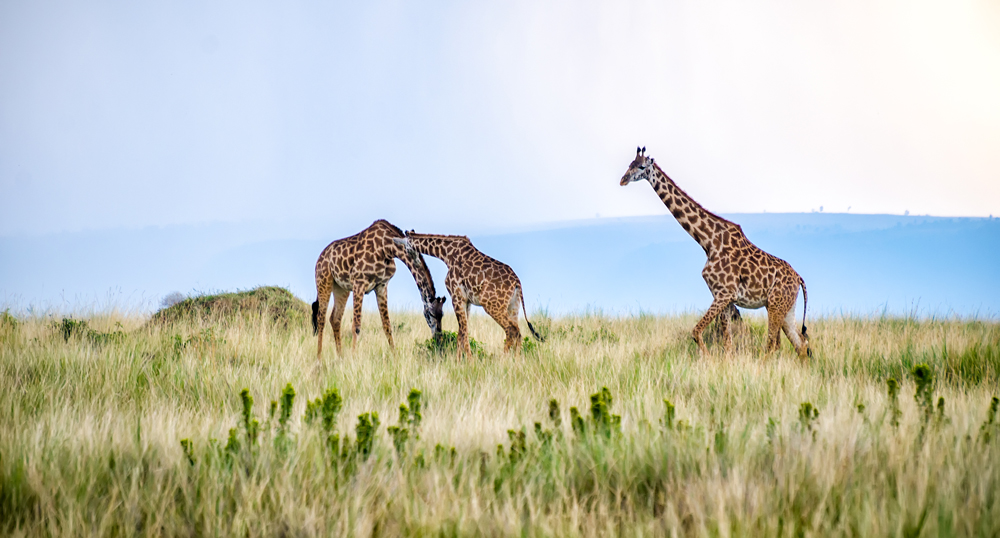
(362, 263)
(737, 272)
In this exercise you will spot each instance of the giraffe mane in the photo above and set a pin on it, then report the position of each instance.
(439, 236)
(391, 226)
(689, 198)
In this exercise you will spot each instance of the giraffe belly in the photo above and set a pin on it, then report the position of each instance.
(745, 300)
(471, 297)
(348, 285)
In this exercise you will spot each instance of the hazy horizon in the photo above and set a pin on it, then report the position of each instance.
(859, 264)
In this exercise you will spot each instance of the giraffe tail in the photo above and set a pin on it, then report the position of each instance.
(530, 326)
(315, 317)
(805, 301)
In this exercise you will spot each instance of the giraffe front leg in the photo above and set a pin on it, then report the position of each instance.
(359, 297)
(462, 314)
(383, 310)
(718, 305)
(339, 305)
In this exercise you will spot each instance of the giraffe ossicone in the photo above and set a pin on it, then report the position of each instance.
(737, 272)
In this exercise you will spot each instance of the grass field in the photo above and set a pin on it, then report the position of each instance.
(119, 427)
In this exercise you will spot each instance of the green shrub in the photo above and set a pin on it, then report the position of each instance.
(251, 427)
(366, 429)
(409, 422)
(70, 328)
(446, 343)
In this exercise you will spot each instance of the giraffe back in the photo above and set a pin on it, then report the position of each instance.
(368, 253)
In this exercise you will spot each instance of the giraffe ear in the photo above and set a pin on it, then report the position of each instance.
(398, 241)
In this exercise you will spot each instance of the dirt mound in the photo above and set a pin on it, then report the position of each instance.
(274, 303)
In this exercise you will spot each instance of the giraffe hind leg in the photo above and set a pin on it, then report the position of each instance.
(775, 319)
(514, 329)
(512, 335)
(319, 318)
(798, 342)
(726, 327)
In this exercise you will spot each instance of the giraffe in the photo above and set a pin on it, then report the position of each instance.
(359, 264)
(737, 271)
(475, 279)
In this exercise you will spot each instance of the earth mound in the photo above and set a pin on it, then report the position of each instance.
(270, 302)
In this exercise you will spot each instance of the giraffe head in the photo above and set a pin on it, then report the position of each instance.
(433, 312)
(640, 169)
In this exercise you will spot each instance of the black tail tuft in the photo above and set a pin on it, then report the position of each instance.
(805, 303)
(534, 332)
(315, 317)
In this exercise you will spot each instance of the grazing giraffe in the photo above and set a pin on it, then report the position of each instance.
(475, 279)
(737, 271)
(359, 264)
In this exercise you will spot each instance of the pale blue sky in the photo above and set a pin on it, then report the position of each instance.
(451, 116)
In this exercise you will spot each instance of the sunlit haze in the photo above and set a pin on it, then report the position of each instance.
(453, 116)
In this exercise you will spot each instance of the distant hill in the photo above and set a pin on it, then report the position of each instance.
(859, 264)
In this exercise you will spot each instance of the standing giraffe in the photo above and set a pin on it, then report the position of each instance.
(475, 279)
(737, 272)
(359, 264)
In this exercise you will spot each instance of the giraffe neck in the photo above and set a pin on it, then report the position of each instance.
(448, 248)
(698, 222)
(421, 275)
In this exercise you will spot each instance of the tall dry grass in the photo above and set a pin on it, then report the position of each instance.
(91, 430)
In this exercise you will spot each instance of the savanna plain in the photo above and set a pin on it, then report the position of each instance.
(223, 423)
